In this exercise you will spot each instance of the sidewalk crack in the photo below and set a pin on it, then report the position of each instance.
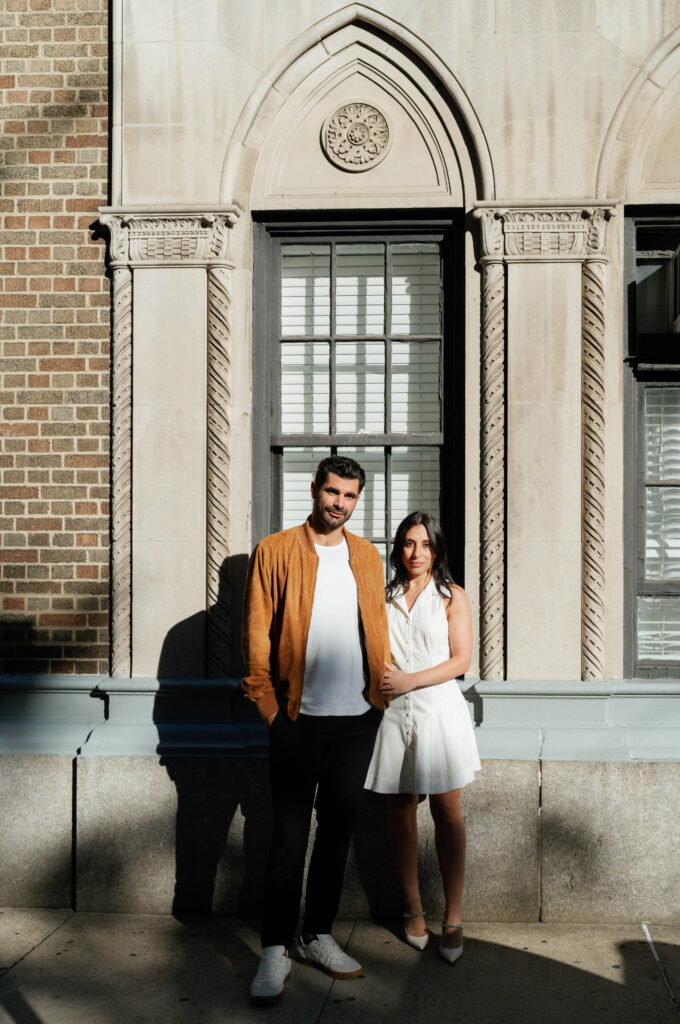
(3, 974)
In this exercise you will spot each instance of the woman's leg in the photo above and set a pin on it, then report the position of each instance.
(403, 827)
(449, 835)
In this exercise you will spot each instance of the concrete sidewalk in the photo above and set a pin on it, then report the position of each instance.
(58, 967)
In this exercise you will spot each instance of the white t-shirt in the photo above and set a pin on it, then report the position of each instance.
(334, 664)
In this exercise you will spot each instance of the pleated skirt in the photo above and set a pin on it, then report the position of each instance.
(425, 744)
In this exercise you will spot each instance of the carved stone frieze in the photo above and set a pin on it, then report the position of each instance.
(356, 137)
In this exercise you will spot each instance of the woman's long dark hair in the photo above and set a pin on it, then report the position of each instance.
(440, 570)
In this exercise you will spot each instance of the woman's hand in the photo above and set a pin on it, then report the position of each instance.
(395, 681)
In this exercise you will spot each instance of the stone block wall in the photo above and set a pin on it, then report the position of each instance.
(54, 333)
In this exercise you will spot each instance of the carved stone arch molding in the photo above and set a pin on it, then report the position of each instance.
(568, 232)
(159, 238)
(373, 52)
(645, 127)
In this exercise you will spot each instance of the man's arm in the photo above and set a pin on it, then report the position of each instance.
(258, 611)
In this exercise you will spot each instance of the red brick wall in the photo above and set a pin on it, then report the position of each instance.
(54, 337)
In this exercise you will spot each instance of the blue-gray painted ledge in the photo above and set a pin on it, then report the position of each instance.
(96, 716)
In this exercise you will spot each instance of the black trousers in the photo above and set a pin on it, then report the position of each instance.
(333, 754)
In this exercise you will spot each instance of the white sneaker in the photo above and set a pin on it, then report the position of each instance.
(272, 974)
(324, 952)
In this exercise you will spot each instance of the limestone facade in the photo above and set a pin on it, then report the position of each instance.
(536, 132)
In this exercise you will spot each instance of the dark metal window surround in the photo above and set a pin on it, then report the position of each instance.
(356, 337)
(652, 526)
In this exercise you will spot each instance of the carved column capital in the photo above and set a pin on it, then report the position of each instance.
(158, 238)
(559, 233)
(491, 224)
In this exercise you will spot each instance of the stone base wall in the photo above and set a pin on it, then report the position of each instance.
(54, 337)
(551, 841)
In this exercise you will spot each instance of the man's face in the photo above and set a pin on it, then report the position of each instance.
(334, 502)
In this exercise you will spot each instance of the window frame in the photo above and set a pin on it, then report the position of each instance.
(270, 231)
(648, 367)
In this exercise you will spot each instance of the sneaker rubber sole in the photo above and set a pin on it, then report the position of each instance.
(268, 1000)
(338, 975)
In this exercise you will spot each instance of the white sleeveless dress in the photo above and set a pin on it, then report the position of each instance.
(426, 742)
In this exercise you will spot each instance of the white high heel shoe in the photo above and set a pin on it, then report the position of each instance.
(417, 941)
(451, 954)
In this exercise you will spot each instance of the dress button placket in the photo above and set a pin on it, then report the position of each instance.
(408, 709)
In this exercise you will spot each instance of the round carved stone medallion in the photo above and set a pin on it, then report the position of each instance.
(356, 137)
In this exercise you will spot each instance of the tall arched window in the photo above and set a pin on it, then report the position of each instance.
(356, 352)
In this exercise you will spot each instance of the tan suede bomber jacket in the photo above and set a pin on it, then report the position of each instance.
(277, 609)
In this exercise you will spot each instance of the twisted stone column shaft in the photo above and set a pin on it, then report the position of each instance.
(219, 328)
(492, 597)
(121, 475)
(592, 399)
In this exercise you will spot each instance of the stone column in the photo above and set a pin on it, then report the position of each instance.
(217, 535)
(544, 234)
(121, 449)
(150, 240)
(592, 493)
(492, 527)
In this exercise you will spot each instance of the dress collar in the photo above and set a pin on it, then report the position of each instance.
(399, 599)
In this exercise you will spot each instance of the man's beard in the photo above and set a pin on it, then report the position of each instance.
(330, 521)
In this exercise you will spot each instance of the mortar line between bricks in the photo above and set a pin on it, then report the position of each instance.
(37, 945)
(662, 972)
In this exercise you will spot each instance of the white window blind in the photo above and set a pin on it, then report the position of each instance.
(305, 290)
(658, 631)
(365, 364)
(659, 628)
(416, 289)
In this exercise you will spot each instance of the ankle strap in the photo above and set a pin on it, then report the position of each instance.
(419, 913)
(445, 924)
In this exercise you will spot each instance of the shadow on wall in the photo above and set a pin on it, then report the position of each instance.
(223, 807)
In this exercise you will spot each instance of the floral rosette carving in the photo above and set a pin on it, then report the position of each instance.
(356, 137)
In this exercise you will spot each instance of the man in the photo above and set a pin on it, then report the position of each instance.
(314, 642)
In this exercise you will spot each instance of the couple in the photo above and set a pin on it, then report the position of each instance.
(319, 669)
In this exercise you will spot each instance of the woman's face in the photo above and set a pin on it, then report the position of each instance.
(417, 555)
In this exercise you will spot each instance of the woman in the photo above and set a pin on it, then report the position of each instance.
(426, 742)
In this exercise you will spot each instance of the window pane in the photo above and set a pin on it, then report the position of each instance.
(368, 518)
(659, 628)
(415, 289)
(382, 548)
(360, 387)
(651, 297)
(299, 467)
(415, 386)
(662, 433)
(305, 387)
(415, 483)
(305, 290)
(662, 522)
(360, 291)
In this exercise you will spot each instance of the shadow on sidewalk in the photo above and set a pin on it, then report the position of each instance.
(113, 968)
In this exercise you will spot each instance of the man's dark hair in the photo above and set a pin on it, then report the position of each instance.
(343, 467)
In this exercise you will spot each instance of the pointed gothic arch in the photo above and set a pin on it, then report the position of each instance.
(359, 43)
